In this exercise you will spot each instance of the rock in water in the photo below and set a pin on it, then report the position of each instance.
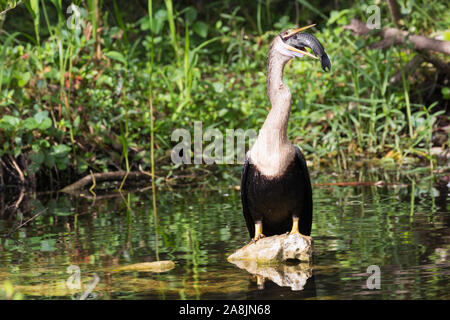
(294, 276)
(275, 249)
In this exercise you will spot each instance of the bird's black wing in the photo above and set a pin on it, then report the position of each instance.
(248, 217)
(306, 215)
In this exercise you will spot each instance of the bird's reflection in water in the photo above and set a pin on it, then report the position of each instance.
(292, 274)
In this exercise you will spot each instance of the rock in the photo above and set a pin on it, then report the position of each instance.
(294, 276)
(155, 266)
(275, 249)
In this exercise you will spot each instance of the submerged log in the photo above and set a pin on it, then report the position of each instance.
(155, 266)
(105, 176)
(275, 249)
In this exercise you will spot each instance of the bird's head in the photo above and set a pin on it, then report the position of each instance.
(293, 43)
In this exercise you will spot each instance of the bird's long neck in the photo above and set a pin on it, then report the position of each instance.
(279, 95)
(272, 152)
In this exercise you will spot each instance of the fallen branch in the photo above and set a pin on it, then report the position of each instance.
(10, 8)
(352, 183)
(16, 204)
(105, 176)
(109, 195)
(391, 36)
(24, 223)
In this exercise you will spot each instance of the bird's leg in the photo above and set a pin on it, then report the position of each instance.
(294, 229)
(258, 231)
(260, 281)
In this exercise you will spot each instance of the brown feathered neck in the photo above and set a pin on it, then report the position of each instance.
(272, 152)
(278, 92)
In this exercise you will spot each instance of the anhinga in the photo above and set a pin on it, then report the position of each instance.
(275, 188)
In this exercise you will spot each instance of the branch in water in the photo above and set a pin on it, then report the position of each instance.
(106, 176)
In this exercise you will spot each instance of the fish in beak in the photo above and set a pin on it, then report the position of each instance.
(295, 42)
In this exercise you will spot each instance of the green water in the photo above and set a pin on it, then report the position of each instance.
(403, 228)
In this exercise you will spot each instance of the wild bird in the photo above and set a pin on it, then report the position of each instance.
(275, 187)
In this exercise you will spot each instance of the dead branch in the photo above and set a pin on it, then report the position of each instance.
(24, 223)
(17, 168)
(355, 184)
(16, 204)
(12, 7)
(85, 195)
(105, 176)
(391, 36)
(394, 9)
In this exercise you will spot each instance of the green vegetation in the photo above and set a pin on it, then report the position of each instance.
(101, 86)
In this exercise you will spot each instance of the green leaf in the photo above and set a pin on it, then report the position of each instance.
(145, 24)
(47, 123)
(158, 22)
(30, 124)
(338, 16)
(201, 29)
(40, 116)
(37, 158)
(60, 150)
(43, 121)
(49, 161)
(115, 55)
(446, 93)
(218, 87)
(191, 14)
(22, 78)
(11, 120)
(62, 163)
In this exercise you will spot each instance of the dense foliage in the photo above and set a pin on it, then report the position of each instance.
(76, 83)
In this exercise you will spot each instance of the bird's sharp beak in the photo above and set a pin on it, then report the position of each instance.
(304, 52)
(293, 49)
(295, 31)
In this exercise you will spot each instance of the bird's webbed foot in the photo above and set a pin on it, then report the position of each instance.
(258, 232)
(256, 238)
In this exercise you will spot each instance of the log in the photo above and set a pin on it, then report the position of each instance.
(275, 249)
(155, 266)
(392, 36)
(106, 176)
